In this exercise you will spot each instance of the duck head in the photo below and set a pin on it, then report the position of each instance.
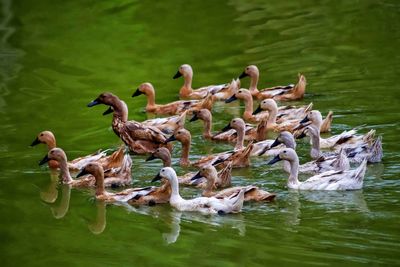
(56, 154)
(182, 135)
(184, 70)
(266, 104)
(313, 117)
(166, 173)
(241, 94)
(250, 70)
(160, 153)
(285, 154)
(202, 114)
(92, 168)
(45, 137)
(209, 172)
(236, 123)
(144, 88)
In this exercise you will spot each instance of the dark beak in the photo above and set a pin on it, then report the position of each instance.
(44, 160)
(177, 75)
(194, 118)
(35, 142)
(197, 176)
(170, 139)
(305, 120)
(156, 178)
(244, 74)
(258, 110)
(274, 160)
(151, 157)
(137, 92)
(108, 111)
(218, 161)
(82, 173)
(302, 135)
(226, 128)
(231, 99)
(94, 103)
(276, 143)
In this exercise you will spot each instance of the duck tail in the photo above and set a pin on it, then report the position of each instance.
(236, 200)
(342, 161)
(309, 107)
(376, 151)
(261, 130)
(208, 101)
(360, 171)
(225, 175)
(326, 123)
(369, 137)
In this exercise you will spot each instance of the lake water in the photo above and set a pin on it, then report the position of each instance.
(56, 56)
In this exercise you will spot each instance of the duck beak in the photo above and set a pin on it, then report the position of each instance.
(35, 142)
(226, 128)
(276, 143)
(304, 120)
(197, 176)
(108, 111)
(94, 103)
(44, 160)
(258, 110)
(244, 74)
(151, 157)
(137, 92)
(156, 178)
(274, 160)
(170, 139)
(218, 161)
(194, 118)
(177, 75)
(82, 173)
(301, 136)
(231, 99)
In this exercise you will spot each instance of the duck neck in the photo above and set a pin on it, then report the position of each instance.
(248, 107)
(175, 196)
(272, 116)
(120, 116)
(99, 183)
(185, 153)
(207, 128)
(261, 130)
(294, 171)
(253, 83)
(187, 85)
(167, 161)
(315, 144)
(151, 99)
(65, 175)
(51, 144)
(240, 138)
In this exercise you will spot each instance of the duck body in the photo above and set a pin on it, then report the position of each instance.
(187, 92)
(168, 125)
(330, 180)
(204, 205)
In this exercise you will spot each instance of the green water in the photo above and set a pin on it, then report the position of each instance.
(56, 56)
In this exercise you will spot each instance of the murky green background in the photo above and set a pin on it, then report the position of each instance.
(56, 56)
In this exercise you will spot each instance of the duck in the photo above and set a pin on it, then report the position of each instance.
(113, 160)
(282, 93)
(251, 192)
(120, 176)
(322, 163)
(204, 205)
(187, 91)
(230, 135)
(245, 95)
(140, 138)
(96, 171)
(185, 138)
(330, 180)
(168, 125)
(291, 122)
(186, 179)
(355, 147)
(227, 91)
(176, 107)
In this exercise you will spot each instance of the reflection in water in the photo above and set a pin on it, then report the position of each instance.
(98, 225)
(60, 209)
(50, 194)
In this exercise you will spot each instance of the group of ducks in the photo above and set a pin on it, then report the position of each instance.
(331, 169)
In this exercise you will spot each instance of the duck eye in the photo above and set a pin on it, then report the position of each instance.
(41, 134)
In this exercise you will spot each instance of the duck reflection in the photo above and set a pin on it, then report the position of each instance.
(98, 225)
(60, 208)
(50, 193)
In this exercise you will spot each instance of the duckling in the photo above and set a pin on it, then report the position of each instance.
(168, 125)
(176, 107)
(140, 139)
(291, 122)
(322, 163)
(283, 93)
(96, 170)
(252, 193)
(115, 177)
(185, 138)
(330, 180)
(187, 91)
(205, 205)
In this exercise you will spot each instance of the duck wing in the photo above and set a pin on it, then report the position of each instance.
(138, 131)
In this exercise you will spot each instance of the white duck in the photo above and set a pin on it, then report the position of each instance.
(205, 205)
(330, 180)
